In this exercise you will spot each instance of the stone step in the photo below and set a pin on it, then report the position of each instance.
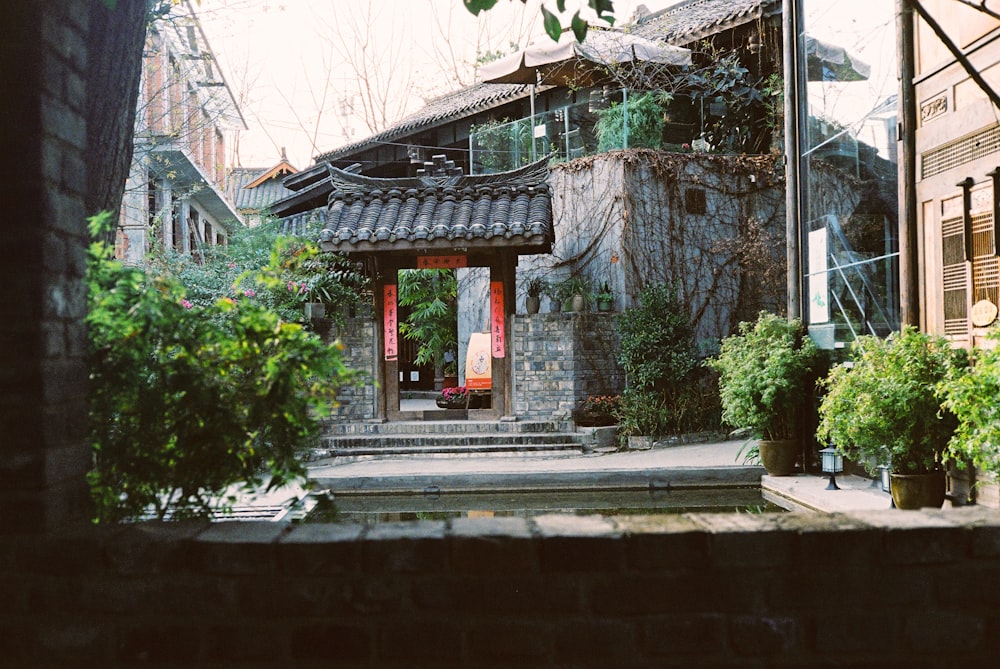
(442, 427)
(451, 440)
(457, 438)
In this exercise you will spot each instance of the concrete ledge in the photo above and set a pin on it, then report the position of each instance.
(805, 492)
(609, 479)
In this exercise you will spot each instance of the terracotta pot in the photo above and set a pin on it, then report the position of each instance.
(778, 457)
(915, 491)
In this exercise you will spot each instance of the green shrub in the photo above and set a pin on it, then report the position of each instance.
(658, 353)
(188, 400)
(764, 374)
(885, 406)
(971, 395)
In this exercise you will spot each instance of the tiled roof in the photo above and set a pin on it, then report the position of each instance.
(697, 19)
(257, 198)
(457, 104)
(505, 210)
(679, 25)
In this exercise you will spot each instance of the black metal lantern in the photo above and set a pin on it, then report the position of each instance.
(833, 462)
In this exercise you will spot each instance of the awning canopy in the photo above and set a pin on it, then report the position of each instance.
(588, 63)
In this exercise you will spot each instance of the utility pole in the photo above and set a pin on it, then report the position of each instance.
(909, 286)
(796, 167)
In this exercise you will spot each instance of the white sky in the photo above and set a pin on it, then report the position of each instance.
(276, 56)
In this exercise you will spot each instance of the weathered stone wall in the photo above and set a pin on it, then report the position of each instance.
(871, 589)
(357, 335)
(560, 358)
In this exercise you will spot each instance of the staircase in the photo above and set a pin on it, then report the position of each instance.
(458, 438)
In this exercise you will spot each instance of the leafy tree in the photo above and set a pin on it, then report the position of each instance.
(188, 400)
(432, 296)
(278, 271)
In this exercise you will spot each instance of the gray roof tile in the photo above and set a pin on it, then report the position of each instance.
(509, 209)
(694, 20)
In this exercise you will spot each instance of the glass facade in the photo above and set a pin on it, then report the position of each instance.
(849, 222)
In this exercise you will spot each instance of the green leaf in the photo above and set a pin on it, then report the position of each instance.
(561, 6)
(579, 27)
(553, 28)
(476, 6)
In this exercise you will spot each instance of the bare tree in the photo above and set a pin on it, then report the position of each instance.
(376, 58)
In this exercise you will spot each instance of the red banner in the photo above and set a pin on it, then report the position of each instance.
(497, 339)
(442, 262)
(389, 321)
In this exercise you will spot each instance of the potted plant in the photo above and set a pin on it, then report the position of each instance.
(764, 373)
(457, 398)
(605, 298)
(597, 411)
(573, 293)
(533, 300)
(884, 406)
(967, 393)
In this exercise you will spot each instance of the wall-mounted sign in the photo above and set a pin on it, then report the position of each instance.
(497, 339)
(442, 262)
(478, 362)
(819, 282)
(984, 313)
(390, 321)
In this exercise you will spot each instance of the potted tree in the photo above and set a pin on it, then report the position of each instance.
(884, 407)
(764, 373)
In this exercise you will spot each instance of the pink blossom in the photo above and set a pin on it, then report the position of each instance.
(249, 293)
(186, 304)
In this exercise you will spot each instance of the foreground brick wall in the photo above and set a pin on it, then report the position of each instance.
(865, 589)
(43, 450)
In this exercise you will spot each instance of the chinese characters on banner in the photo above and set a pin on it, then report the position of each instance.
(442, 262)
(496, 318)
(389, 321)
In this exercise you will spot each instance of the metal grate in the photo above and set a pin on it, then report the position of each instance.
(959, 152)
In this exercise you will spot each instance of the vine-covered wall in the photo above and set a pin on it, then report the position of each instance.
(713, 225)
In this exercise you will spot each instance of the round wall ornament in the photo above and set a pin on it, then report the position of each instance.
(984, 312)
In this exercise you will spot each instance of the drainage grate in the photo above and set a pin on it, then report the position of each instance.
(959, 152)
